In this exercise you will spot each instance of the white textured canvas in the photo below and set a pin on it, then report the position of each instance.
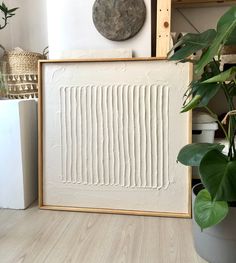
(111, 134)
(98, 53)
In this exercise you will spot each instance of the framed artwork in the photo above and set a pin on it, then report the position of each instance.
(109, 134)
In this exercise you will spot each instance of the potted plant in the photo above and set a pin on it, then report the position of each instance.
(6, 15)
(214, 206)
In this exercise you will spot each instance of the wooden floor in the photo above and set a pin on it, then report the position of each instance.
(40, 236)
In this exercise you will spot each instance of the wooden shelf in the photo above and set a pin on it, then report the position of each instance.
(201, 3)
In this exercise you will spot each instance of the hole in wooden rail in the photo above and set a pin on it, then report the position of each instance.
(166, 24)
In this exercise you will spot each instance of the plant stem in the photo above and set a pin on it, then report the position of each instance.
(5, 22)
(227, 95)
(232, 134)
(219, 122)
(230, 146)
(232, 121)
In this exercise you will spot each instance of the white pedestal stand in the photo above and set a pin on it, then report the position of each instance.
(18, 153)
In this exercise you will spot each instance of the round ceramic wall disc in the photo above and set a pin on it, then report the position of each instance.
(119, 20)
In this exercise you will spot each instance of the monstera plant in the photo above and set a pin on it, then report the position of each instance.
(217, 170)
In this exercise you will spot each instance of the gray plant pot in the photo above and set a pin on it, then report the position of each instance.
(216, 244)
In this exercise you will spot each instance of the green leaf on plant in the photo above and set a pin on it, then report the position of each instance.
(201, 95)
(218, 175)
(192, 104)
(210, 70)
(3, 9)
(232, 88)
(13, 10)
(207, 92)
(192, 154)
(231, 39)
(225, 27)
(226, 20)
(4, 6)
(224, 76)
(191, 43)
(208, 213)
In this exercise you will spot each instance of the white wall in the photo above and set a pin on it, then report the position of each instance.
(70, 27)
(28, 28)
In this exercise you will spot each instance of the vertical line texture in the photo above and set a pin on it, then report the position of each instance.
(115, 135)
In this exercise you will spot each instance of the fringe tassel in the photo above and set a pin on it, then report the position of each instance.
(20, 78)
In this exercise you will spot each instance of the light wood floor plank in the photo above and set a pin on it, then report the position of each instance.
(40, 236)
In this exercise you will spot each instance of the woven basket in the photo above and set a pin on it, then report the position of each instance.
(22, 73)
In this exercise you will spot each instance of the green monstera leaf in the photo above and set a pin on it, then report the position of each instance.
(192, 154)
(207, 212)
(231, 39)
(225, 27)
(223, 76)
(191, 43)
(218, 175)
(202, 95)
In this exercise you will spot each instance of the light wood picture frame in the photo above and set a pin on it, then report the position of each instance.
(109, 134)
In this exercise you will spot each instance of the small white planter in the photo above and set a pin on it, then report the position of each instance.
(18, 153)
